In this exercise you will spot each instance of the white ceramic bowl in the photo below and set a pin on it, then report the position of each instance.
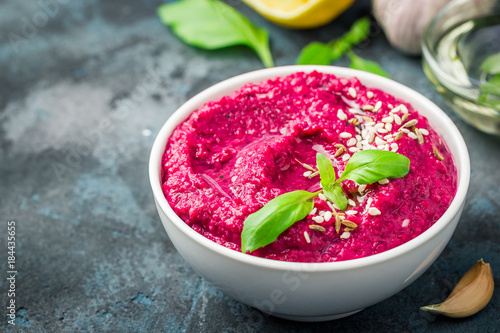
(312, 291)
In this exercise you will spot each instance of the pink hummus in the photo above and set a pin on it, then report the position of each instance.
(234, 155)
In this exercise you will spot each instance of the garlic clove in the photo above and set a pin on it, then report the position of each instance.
(470, 295)
(404, 21)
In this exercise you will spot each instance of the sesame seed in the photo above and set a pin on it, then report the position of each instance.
(394, 147)
(390, 140)
(349, 224)
(354, 121)
(318, 219)
(346, 157)
(321, 213)
(361, 188)
(388, 119)
(317, 227)
(307, 173)
(351, 212)
(339, 152)
(351, 142)
(367, 119)
(388, 127)
(371, 138)
(411, 123)
(306, 236)
(379, 141)
(437, 154)
(358, 137)
(367, 107)
(369, 202)
(377, 107)
(397, 119)
(354, 149)
(424, 131)
(352, 92)
(345, 135)
(358, 130)
(383, 181)
(412, 135)
(390, 106)
(233, 178)
(321, 196)
(420, 137)
(369, 94)
(382, 130)
(405, 223)
(388, 136)
(378, 126)
(337, 224)
(328, 216)
(374, 211)
(405, 130)
(396, 109)
(353, 110)
(345, 235)
(313, 211)
(404, 109)
(314, 174)
(341, 115)
(351, 202)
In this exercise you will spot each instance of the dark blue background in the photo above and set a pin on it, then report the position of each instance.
(84, 88)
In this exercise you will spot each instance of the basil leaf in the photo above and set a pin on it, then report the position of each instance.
(337, 195)
(366, 65)
(265, 225)
(315, 53)
(491, 64)
(212, 24)
(359, 32)
(326, 171)
(370, 166)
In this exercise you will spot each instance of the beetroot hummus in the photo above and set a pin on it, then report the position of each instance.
(234, 155)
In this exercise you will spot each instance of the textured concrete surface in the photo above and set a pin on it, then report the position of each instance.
(84, 88)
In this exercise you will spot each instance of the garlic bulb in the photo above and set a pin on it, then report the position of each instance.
(404, 21)
(472, 293)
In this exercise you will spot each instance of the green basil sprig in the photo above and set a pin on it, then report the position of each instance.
(365, 167)
(212, 24)
(265, 225)
(366, 65)
(316, 53)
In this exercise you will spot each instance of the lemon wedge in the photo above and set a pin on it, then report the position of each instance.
(299, 14)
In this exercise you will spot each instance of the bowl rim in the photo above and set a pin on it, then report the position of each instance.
(234, 83)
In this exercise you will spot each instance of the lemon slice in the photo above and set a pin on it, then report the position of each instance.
(299, 14)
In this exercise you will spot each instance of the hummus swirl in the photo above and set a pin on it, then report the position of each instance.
(232, 156)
